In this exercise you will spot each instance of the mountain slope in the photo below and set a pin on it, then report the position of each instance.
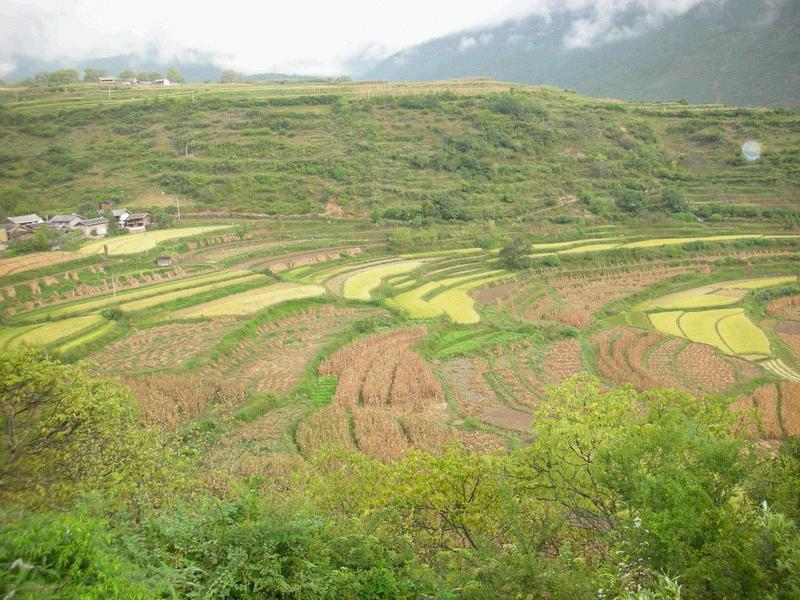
(736, 52)
(464, 149)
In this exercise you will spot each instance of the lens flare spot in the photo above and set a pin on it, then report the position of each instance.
(751, 150)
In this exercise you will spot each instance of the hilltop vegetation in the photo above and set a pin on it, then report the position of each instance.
(448, 151)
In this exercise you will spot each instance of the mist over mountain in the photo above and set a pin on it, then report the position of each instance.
(729, 51)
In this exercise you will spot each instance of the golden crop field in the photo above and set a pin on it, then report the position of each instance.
(134, 243)
(252, 301)
(36, 260)
(360, 284)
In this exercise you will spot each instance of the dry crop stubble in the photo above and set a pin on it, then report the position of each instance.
(386, 396)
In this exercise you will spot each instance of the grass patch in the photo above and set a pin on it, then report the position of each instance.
(256, 408)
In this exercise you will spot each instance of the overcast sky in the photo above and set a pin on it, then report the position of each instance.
(298, 36)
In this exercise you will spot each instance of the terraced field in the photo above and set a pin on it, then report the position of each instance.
(37, 260)
(251, 301)
(491, 341)
(155, 292)
(47, 333)
(600, 245)
(134, 243)
(729, 330)
(360, 284)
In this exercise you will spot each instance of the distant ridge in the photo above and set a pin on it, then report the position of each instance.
(743, 52)
(194, 66)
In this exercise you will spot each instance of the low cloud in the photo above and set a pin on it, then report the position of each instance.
(467, 42)
(603, 24)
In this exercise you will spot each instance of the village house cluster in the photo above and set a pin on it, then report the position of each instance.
(24, 226)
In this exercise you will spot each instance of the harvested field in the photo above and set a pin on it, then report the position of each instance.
(620, 357)
(765, 399)
(787, 307)
(562, 361)
(329, 426)
(705, 369)
(275, 357)
(790, 407)
(480, 442)
(493, 294)
(790, 336)
(508, 418)
(162, 347)
(424, 432)
(382, 370)
(788, 327)
(388, 394)
(300, 259)
(649, 361)
(169, 400)
(474, 395)
(578, 297)
(378, 434)
(260, 447)
(251, 301)
(36, 260)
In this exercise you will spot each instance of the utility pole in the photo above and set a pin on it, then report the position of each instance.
(178, 202)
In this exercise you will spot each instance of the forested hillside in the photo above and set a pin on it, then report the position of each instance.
(737, 52)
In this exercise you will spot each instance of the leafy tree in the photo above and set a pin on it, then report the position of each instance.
(674, 200)
(65, 431)
(660, 472)
(630, 201)
(63, 76)
(516, 254)
(148, 75)
(174, 75)
(41, 241)
(231, 76)
(94, 75)
(127, 74)
(69, 556)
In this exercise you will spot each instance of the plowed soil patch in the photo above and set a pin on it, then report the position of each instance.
(788, 327)
(508, 418)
